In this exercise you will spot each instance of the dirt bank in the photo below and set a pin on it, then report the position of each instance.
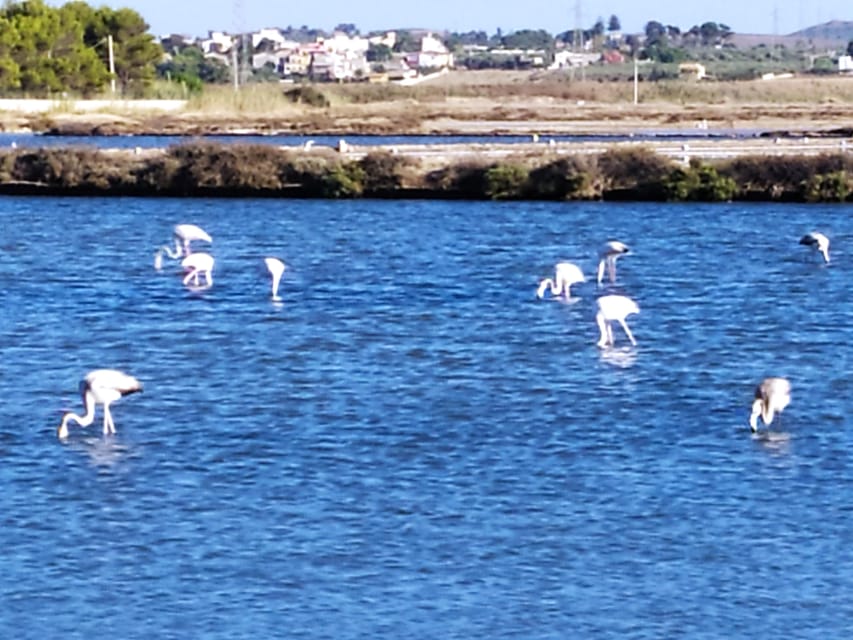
(460, 117)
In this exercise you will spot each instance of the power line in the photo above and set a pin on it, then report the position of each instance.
(240, 53)
(578, 36)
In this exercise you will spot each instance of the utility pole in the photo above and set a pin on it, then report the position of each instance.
(238, 46)
(235, 68)
(775, 27)
(112, 63)
(636, 83)
(578, 35)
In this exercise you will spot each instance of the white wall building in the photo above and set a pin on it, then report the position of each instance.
(217, 42)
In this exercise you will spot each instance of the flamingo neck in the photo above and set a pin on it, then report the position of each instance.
(174, 255)
(556, 287)
(276, 279)
(544, 286)
(757, 409)
(83, 421)
(602, 329)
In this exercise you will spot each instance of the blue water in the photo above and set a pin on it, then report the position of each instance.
(412, 445)
(29, 140)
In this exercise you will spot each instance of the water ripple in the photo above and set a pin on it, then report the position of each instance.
(411, 444)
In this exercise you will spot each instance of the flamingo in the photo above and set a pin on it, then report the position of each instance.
(183, 234)
(565, 275)
(771, 395)
(614, 308)
(608, 255)
(101, 386)
(819, 242)
(276, 268)
(197, 264)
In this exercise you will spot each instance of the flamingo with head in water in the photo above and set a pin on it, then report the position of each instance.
(276, 268)
(772, 395)
(607, 258)
(184, 235)
(198, 264)
(101, 386)
(818, 242)
(565, 275)
(614, 309)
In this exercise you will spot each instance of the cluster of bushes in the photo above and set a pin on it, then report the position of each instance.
(209, 169)
(307, 95)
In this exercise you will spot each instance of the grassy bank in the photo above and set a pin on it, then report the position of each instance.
(479, 102)
(206, 169)
(518, 85)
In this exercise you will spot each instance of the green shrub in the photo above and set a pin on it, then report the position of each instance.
(75, 168)
(383, 171)
(637, 173)
(827, 187)
(698, 182)
(785, 177)
(343, 181)
(157, 175)
(255, 167)
(558, 180)
(466, 179)
(506, 182)
(308, 95)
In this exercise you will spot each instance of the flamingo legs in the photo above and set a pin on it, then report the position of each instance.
(608, 263)
(605, 328)
(627, 332)
(194, 276)
(109, 425)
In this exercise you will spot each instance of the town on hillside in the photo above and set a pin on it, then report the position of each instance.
(77, 49)
(407, 57)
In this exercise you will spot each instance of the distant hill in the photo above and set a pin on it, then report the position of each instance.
(829, 35)
(834, 30)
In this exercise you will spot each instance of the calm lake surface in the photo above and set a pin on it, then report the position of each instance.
(411, 445)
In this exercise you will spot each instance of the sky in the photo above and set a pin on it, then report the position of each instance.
(197, 17)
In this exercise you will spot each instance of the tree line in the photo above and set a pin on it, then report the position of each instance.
(47, 50)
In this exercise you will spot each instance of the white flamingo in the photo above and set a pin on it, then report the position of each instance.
(771, 395)
(101, 386)
(607, 256)
(276, 268)
(184, 235)
(565, 275)
(197, 264)
(819, 242)
(614, 309)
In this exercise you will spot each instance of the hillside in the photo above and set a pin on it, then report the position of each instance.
(835, 30)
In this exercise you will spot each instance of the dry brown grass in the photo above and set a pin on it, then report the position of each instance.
(483, 102)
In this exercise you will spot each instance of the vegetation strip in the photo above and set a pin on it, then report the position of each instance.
(235, 170)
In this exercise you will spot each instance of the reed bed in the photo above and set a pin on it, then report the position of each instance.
(270, 98)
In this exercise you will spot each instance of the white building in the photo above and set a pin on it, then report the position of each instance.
(433, 55)
(566, 58)
(272, 35)
(217, 42)
(342, 43)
